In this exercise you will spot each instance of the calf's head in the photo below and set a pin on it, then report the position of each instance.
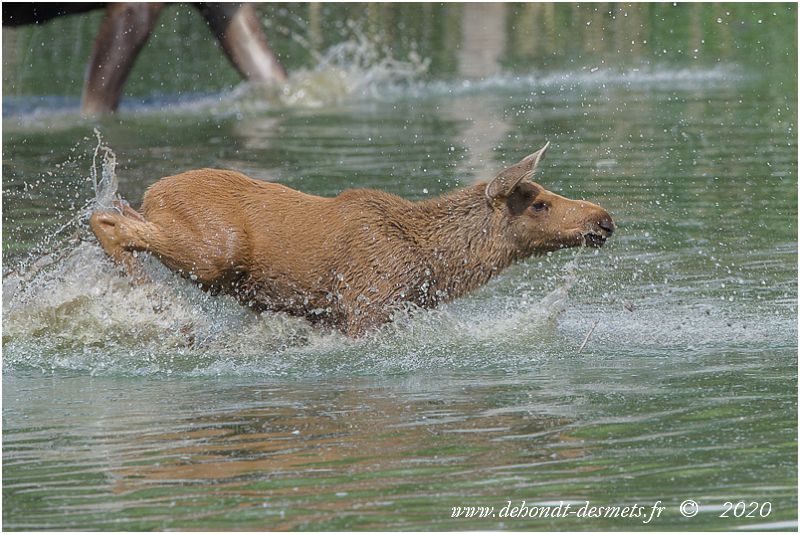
(538, 221)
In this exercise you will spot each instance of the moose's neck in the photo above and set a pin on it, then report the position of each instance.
(465, 240)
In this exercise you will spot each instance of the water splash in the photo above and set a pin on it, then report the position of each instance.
(59, 243)
(105, 189)
(80, 314)
(362, 68)
(359, 67)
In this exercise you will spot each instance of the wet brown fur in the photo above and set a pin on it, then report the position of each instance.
(347, 261)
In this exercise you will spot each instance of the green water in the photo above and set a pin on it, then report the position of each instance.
(160, 407)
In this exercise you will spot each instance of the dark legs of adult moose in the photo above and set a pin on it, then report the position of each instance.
(127, 26)
(122, 34)
(237, 28)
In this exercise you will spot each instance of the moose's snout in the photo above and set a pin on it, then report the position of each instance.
(599, 229)
(607, 224)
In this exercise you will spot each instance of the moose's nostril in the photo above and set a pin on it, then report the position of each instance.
(607, 225)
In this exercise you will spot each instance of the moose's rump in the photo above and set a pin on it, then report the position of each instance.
(214, 223)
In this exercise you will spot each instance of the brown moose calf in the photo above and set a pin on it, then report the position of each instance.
(347, 261)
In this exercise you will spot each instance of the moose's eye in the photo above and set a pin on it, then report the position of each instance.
(539, 206)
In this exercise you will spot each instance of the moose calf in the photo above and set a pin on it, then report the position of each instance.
(348, 261)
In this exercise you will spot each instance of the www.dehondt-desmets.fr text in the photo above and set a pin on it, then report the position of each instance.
(646, 513)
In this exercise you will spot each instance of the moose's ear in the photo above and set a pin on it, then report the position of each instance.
(504, 183)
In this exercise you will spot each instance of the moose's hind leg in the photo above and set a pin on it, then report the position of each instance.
(121, 233)
(127, 210)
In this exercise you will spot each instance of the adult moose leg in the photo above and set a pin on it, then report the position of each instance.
(126, 28)
(122, 35)
(238, 30)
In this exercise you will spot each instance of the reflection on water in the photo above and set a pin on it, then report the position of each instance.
(392, 453)
(160, 407)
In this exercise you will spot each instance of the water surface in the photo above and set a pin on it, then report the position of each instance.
(160, 407)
